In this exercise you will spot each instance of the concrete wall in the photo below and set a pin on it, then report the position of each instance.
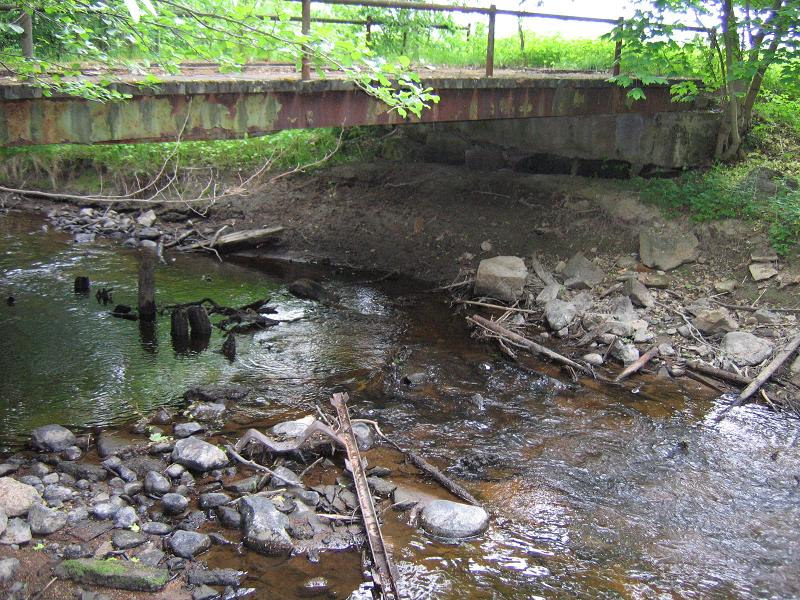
(661, 141)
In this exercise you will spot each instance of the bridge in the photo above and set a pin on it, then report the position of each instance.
(203, 104)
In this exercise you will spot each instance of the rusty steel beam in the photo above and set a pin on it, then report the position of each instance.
(225, 109)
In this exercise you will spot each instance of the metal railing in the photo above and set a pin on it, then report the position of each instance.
(491, 12)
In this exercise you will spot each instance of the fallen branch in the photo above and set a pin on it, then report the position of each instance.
(532, 346)
(763, 376)
(754, 309)
(498, 307)
(541, 272)
(637, 364)
(386, 573)
(722, 374)
(704, 380)
(254, 465)
(237, 238)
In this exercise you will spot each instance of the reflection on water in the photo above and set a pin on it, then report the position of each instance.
(595, 493)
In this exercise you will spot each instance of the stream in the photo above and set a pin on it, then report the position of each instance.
(595, 493)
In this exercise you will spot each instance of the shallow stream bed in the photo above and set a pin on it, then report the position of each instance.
(595, 493)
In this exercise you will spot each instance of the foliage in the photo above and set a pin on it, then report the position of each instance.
(136, 35)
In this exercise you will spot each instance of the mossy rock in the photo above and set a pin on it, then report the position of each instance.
(114, 574)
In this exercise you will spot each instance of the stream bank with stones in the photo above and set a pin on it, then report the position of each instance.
(592, 491)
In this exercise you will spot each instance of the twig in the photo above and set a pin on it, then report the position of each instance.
(753, 309)
(498, 307)
(454, 285)
(254, 465)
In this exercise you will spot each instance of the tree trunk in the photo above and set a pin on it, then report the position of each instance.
(521, 36)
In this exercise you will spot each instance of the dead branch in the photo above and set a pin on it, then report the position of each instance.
(541, 272)
(637, 364)
(753, 308)
(722, 374)
(498, 307)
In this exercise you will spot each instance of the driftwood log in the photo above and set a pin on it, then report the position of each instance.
(237, 239)
(637, 364)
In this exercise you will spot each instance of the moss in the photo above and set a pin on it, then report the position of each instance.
(114, 573)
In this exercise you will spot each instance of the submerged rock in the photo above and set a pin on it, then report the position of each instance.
(264, 526)
(124, 575)
(198, 455)
(501, 277)
(312, 290)
(453, 520)
(52, 438)
(222, 394)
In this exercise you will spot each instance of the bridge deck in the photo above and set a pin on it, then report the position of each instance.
(202, 103)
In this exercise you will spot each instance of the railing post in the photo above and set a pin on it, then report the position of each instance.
(306, 28)
(618, 50)
(27, 35)
(369, 30)
(490, 42)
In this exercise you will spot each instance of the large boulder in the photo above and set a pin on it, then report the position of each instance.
(669, 249)
(559, 314)
(581, 273)
(17, 498)
(52, 438)
(453, 520)
(501, 277)
(264, 527)
(745, 348)
(198, 455)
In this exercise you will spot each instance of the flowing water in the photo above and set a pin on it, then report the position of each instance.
(595, 493)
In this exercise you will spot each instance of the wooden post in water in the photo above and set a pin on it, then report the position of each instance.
(305, 28)
(490, 42)
(147, 284)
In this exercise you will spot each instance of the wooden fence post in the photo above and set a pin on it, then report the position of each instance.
(27, 35)
(306, 28)
(618, 50)
(490, 42)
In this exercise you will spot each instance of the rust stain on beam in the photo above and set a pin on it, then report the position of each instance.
(231, 109)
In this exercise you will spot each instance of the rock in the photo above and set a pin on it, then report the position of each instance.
(124, 539)
(365, 437)
(638, 293)
(174, 470)
(105, 510)
(198, 455)
(17, 532)
(315, 587)
(746, 349)
(17, 498)
(72, 453)
(665, 350)
(642, 336)
(3, 522)
(593, 359)
(8, 569)
(204, 592)
(208, 411)
(762, 271)
(550, 292)
(84, 238)
(229, 517)
(230, 577)
(292, 429)
(109, 444)
(403, 499)
(44, 521)
(626, 353)
(221, 394)
(213, 499)
(501, 277)
(188, 544)
(766, 317)
(559, 314)
(486, 246)
(714, 320)
(453, 520)
(668, 250)
(151, 557)
(156, 528)
(659, 281)
(725, 285)
(125, 517)
(308, 289)
(124, 575)
(380, 486)
(184, 430)
(147, 218)
(264, 527)
(174, 504)
(155, 483)
(52, 438)
(149, 233)
(581, 273)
